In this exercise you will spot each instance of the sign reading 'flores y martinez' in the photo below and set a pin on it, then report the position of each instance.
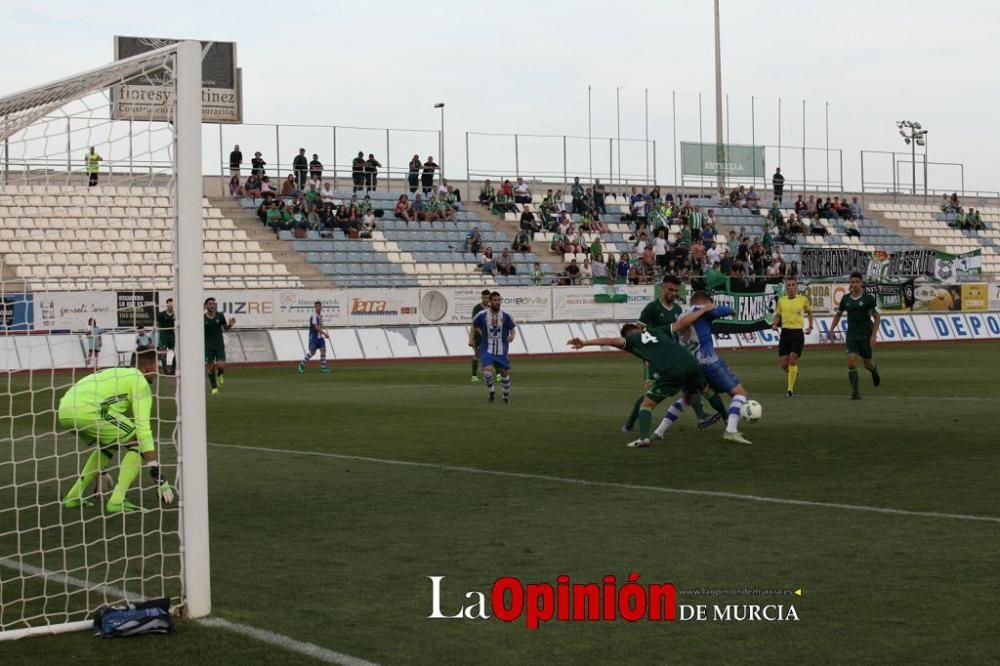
(145, 97)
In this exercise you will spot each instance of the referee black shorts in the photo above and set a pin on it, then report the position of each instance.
(792, 341)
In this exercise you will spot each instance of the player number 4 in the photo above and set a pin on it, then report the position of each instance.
(648, 337)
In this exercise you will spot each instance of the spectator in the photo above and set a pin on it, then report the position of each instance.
(857, 213)
(402, 209)
(641, 243)
(611, 267)
(505, 263)
(413, 174)
(143, 338)
(289, 186)
(503, 203)
(473, 241)
(93, 342)
(556, 245)
(316, 169)
(267, 189)
(427, 179)
(454, 199)
(576, 193)
(522, 242)
(537, 277)
(598, 269)
(778, 183)
(774, 215)
(573, 271)
(794, 225)
(793, 269)
(372, 166)
(273, 217)
(573, 241)
(713, 254)
(432, 209)
(448, 211)
(660, 248)
(623, 266)
(595, 246)
(235, 161)
(522, 193)
(313, 219)
(953, 202)
(487, 263)
(800, 206)
(559, 202)
(733, 243)
(599, 197)
(257, 165)
(358, 172)
(487, 195)
(816, 227)
(767, 242)
(252, 187)
(368, 224)
(586, 272)
(708, 236)
(92, 161)
(528, 221)
(418, 208)
(236, 187)
(300, 167)
(326, 194)
(753, 200)
(851, 229)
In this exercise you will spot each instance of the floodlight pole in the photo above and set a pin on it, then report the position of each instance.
(719, 149)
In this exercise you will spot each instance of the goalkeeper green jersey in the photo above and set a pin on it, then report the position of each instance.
(109, 394)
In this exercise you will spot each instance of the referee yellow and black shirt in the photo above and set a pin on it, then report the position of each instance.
(793, 312)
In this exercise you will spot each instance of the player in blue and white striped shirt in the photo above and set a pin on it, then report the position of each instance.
(317, 339)
(496, 331)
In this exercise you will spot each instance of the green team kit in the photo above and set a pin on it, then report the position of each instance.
(670, 366)
(859, 312)
(215, 345)
(659, 316)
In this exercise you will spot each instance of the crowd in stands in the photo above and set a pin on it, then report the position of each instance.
(966, 221)
(305, 202)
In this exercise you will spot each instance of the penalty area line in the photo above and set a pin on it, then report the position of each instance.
(623, 486)
(271, 638)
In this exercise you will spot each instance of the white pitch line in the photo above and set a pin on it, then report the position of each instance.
(290, 644)
(873, 394)
(621, 486)
(269, 637)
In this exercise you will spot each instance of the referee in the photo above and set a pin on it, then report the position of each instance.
(789, 313)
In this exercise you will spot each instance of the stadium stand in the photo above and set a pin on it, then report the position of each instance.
(119, 237)
(929, 226)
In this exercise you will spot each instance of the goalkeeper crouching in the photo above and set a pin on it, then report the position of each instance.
(95, 408)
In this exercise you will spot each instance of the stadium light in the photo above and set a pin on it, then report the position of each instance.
(914, 135)
(440, 105)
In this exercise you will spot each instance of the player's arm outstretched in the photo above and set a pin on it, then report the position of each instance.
(580, 343)
(142, 405)
(690, 318)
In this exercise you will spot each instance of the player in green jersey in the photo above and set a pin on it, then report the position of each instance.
(95, 409)
(165, 338)
(661, 313)
(674, 367)
(484, 302)
(215, 344)
(863, 320)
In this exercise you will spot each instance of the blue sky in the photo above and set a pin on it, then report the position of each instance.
(525, 66)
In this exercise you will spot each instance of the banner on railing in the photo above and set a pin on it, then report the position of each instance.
(880, 265)
(359, 308)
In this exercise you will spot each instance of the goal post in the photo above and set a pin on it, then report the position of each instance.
(92, 243)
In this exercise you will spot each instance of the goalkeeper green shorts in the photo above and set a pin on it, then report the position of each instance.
(110, 429)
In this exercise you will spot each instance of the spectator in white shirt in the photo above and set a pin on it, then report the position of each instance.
(598, 268)
(522, 193)
(660, 248)
(713, 254)
(326, 194)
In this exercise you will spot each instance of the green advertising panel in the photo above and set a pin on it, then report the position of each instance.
(737, 161)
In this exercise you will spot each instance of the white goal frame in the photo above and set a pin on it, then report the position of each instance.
(188, 290)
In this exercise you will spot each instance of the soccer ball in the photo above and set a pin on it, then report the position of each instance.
(752, 411)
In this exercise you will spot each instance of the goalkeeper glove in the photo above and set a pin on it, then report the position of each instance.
(163, 488)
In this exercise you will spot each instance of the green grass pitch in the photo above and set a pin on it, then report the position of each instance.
(319, 534)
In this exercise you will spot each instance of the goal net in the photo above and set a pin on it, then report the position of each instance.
(100, 224)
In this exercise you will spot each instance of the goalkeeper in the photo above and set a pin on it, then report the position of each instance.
(95, 408)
